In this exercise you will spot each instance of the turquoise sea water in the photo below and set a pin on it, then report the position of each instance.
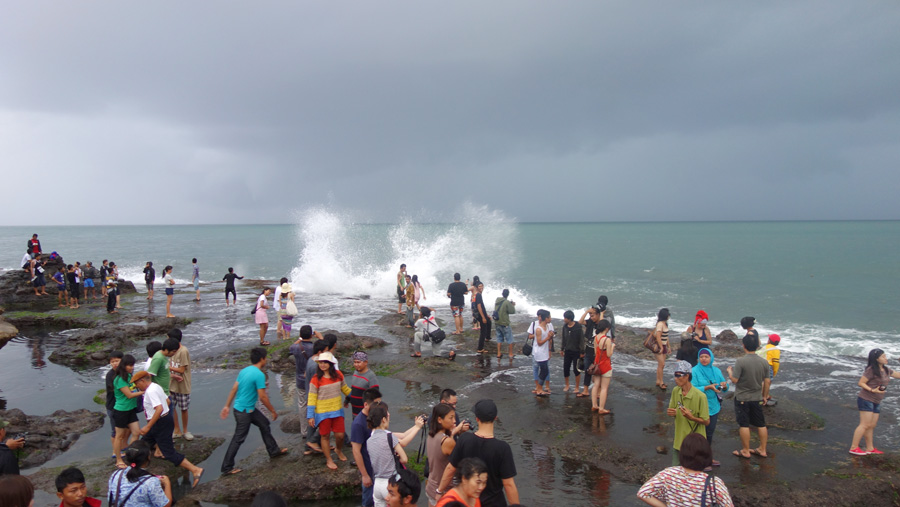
(826, 287)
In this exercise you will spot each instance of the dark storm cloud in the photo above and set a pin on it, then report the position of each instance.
(549, 111)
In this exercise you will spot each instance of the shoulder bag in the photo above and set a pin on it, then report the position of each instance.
(527, 348)
(709, 484)
(436, 336)
(397, 464)
(650, 342)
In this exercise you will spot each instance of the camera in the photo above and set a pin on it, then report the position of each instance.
(466, 421)
(23, 436)
(424, 416)
(882, 388)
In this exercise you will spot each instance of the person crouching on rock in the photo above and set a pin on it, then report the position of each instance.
(160, 425)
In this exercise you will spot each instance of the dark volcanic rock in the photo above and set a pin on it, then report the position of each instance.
(16, 292)
(97, 472)
(48, 436)
(92, 346)
(295, 476)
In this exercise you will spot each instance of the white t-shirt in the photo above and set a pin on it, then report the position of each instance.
(541, 352)
(169, 281)
(427, 325)
(534, 325)
(26, 260)
(154, 396)
(277, 299)
(260, 302)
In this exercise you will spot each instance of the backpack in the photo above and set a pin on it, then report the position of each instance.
(114, 501)
(496, 313)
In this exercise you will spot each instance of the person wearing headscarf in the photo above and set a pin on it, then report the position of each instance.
(711, 381)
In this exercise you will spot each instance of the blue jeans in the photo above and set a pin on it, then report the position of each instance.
(713, 419)
(367, 499)
(504, 334)
(535, 369)
(543, 370)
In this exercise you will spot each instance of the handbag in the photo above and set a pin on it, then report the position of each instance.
(526, 349)
(706, 486)
(290, 309)
(650, 342)
(397, 464)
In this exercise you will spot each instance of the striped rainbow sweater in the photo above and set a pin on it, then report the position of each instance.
(325, 397)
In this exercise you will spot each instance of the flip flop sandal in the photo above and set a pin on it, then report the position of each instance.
(739, 455)
(755, 452)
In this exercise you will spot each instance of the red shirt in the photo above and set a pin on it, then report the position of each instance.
(88, 501)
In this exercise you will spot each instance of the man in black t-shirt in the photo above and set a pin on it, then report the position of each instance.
(456, 292)
(495, 453)
(229, 285)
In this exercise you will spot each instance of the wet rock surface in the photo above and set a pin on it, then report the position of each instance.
(295, 476)
(48, 436)
(97, 471)
(116, 332)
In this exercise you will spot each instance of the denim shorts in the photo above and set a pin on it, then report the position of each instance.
(868, 406)
(504, 334)
(170, 292)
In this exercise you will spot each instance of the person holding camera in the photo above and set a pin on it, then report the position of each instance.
(688, 405)
(9, 464)
(873, 385)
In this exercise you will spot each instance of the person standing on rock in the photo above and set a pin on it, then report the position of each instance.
(249, 388)
(747, 376)
(195, 278)
(63, 296)
(169, 284)
(74, 286)
(410, 296)
(661, 334)
(485, 329)
(104, 272)
(180, 387)
(401, 288)
(873, 385)
(457, 293)
(115, 358)
(261, 317)
(159, 364)
(114, 274)
(160, 425)
(302, 350)
(149, 278)
(383, 446)
(504, 308)
(572, 348)
(495, 453)
(39, 282)
(125, 408)
(363, 378)
(323, 408)
(90, 274)
(359, 434)
(710, 380)
(688, 405)
(229, 285)
(34, 245)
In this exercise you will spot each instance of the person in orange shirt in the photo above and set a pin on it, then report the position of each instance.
(472, 477)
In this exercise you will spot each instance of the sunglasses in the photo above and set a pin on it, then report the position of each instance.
(679, 374)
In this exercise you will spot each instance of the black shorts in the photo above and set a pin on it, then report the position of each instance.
(401, 296)
(749, 413)
(230, 291)
(75, 291)
(123, 419)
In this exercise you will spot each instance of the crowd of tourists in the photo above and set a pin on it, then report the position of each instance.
(466, 464)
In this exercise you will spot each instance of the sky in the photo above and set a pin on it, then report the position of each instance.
(248, 112)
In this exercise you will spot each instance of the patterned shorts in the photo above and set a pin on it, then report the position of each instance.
(179, 399)
(457, 311)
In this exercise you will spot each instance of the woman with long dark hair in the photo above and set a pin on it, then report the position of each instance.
(125, 410)
(136, 487)
(662, 341)
(685, 484)
(442, 432)
(873, 385)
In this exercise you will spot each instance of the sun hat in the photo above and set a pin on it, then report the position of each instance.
(139, 375)
(286, 287)
(327, 356)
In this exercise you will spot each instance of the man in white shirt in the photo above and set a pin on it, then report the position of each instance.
(159, 427)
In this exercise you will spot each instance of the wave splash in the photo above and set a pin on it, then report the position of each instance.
(340, 256)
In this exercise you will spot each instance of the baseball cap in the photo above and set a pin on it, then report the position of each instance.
(682, 367)
(4, 424)
(485, 410)
(774, 338)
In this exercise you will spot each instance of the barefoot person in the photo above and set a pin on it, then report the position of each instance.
(261, 317)
(457, 292)
(662, 342)
(195, 278)
(401, 288)
(572, 348)
(324, 407)
(747, 376)
(125, 407)
(149, 278)
(504, 308)
(169, 284)
(160, 425)
(603, 351)
(249, 388)
(872, 386)
(229, 279)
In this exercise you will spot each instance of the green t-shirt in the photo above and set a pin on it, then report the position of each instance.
(123, 403)
(159, 368)
(696, 402)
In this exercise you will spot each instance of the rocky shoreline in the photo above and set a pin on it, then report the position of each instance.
(803, 469)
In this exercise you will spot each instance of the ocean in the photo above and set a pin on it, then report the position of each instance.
(827, 288)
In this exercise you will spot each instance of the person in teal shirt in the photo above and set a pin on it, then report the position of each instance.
(249, 388)
(711, 381)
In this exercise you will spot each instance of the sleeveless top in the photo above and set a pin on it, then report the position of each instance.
(700, 335)
(664, 336)
(437, 462)
(602, 358)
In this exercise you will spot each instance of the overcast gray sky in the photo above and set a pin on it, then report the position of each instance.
(239, 112)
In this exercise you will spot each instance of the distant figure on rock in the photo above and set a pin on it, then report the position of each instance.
(38, 281)
(195, 277)
(149, 278)
(229, 285)
(169, 283)
(34, 245)
(90, 274)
